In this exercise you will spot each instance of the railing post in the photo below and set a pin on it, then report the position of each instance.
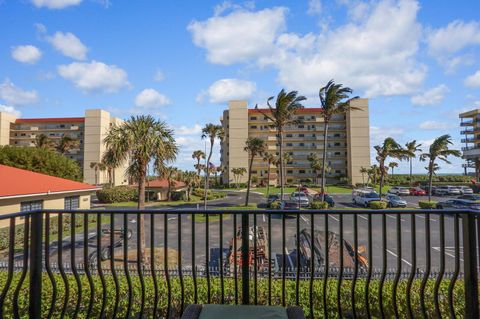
(35, 294)
(470, 265)
(245, 259)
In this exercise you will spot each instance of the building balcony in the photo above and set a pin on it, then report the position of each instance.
(469, 131)
(468, 140)
(467, 123)
(471, 151)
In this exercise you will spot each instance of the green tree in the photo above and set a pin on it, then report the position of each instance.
(413, 148)
(111, 163)
(316, 164)
(392, 166)
(269, 158)
(170, 174)
(389, 149)
(97, 167)
(212, 132)
(438, 150)
(255, 147)
(191, 180)
(237, 174)
(66, 144)
(140, 140)
(334, 99)
(40, 160)
(43, 141)
(363, 171)
(373, 174)
(198, 155)
(283, 114)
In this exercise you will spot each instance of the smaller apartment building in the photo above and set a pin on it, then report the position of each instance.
(470, 130)
(348, 143)
(89, 130)
(29, 191)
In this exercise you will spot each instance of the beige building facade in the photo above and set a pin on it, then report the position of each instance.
(348, 144)
(89, 130)
(470, 130)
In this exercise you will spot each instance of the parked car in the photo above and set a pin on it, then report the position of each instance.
(395, 201)
(363, 196)
(447, 190)
(465, 190)
(426, 188)
(458, 204)
(289, 205)
(301, 198)
(271, 198)
(399, 190)
(328, 199)
(417, 191)
(472, 197)
(304, 189)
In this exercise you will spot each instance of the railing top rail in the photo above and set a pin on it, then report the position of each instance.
(14, 215)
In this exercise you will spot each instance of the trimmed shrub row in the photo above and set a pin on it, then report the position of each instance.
(317, 204)
(425, 204)
(117, 194)
(377, 204)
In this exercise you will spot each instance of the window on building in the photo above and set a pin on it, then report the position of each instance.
(336, 135)
(337, 172)
(253, 118)
(289, 135)
(301, 144)
(289, 144)
(253, 126)
(301, 171)
(301, 117)
(336, 144)
(31, 205)
(301, 135)
(289, 171)
(337, 153)
(301, 126)
(254, 172)
(72, 202)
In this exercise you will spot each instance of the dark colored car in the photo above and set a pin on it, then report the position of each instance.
(417, 191)
(328, 199)
(458, 204)
(473, 197)
(289, 205)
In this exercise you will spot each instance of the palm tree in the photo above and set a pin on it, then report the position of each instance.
(373, 173)
(438, 150)
(142, 139)
(66, 144)
(389, 148)
(254, 146)
(315, 164)
(413, 148)
(212, 132)
(392, 165)
(334, 99)
(286, 106)
(287, 158)
(170, 174)
(363, 171)
(218, 169)
(97, 166)
(269, 158)
(198, 155)
(191, 180)
(237, 173)
(111, 163)
(42, 141)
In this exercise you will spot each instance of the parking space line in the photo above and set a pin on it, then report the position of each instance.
(423, 217)
(334, 218)
(304, 219)
(447, 253)
(395, 217)
(361, 216)
(396, 256)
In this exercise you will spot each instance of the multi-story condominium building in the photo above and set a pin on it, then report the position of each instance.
(89, 130)
(348, 146)
(470, 123)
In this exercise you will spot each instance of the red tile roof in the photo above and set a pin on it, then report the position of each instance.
(163, 183)
(304, 110)
(51, 120)
(15, 182)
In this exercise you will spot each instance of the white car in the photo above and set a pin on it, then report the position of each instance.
(465, 190)
(399, 190)
(363, 197)
(300, 197)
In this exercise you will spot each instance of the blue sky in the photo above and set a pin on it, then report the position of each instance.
(418, 62)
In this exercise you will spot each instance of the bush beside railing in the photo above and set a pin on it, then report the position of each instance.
(176, 293)
(424, 204)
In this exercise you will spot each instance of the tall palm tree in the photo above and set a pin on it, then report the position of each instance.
(438, 150)
(212, 132)
(237, 173)
(392, 165)
(254, 146)
(363, 171)
(198, 155)
(142, 139)
(218, 169)
(111, 163)
(287, 158)
(66, 144)
(286, 106)
(98, 167)
(42, 141)
(170, 174)
(191, 180)
(315, 164)
(334, 99)
(269, 158)
(389, 148)
(373, 173)
(413, 148)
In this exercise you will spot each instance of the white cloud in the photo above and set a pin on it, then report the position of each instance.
(69, 45)
(55, 4)
(10, 109)
(150, 98)
(436, 125)
(240, 36)
(473, 80)
(225, 90)
(94, 76)
(186, 130)
(431, 97)
(376, 54)
(159, 76)
(14, 95)
(378, 134)
(26, 54)
(314, 7)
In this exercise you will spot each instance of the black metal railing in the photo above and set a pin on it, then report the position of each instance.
(152, 263)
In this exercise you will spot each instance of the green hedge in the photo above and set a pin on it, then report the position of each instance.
(200, 192)
(275, 205)
(229, 289)
(117, 194)
(424, 204)
(377, 204)
(317, 204)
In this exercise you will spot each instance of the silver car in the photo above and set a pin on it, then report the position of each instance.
(395, 201)
(300, 197)
(465, 190)
(399, 190)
